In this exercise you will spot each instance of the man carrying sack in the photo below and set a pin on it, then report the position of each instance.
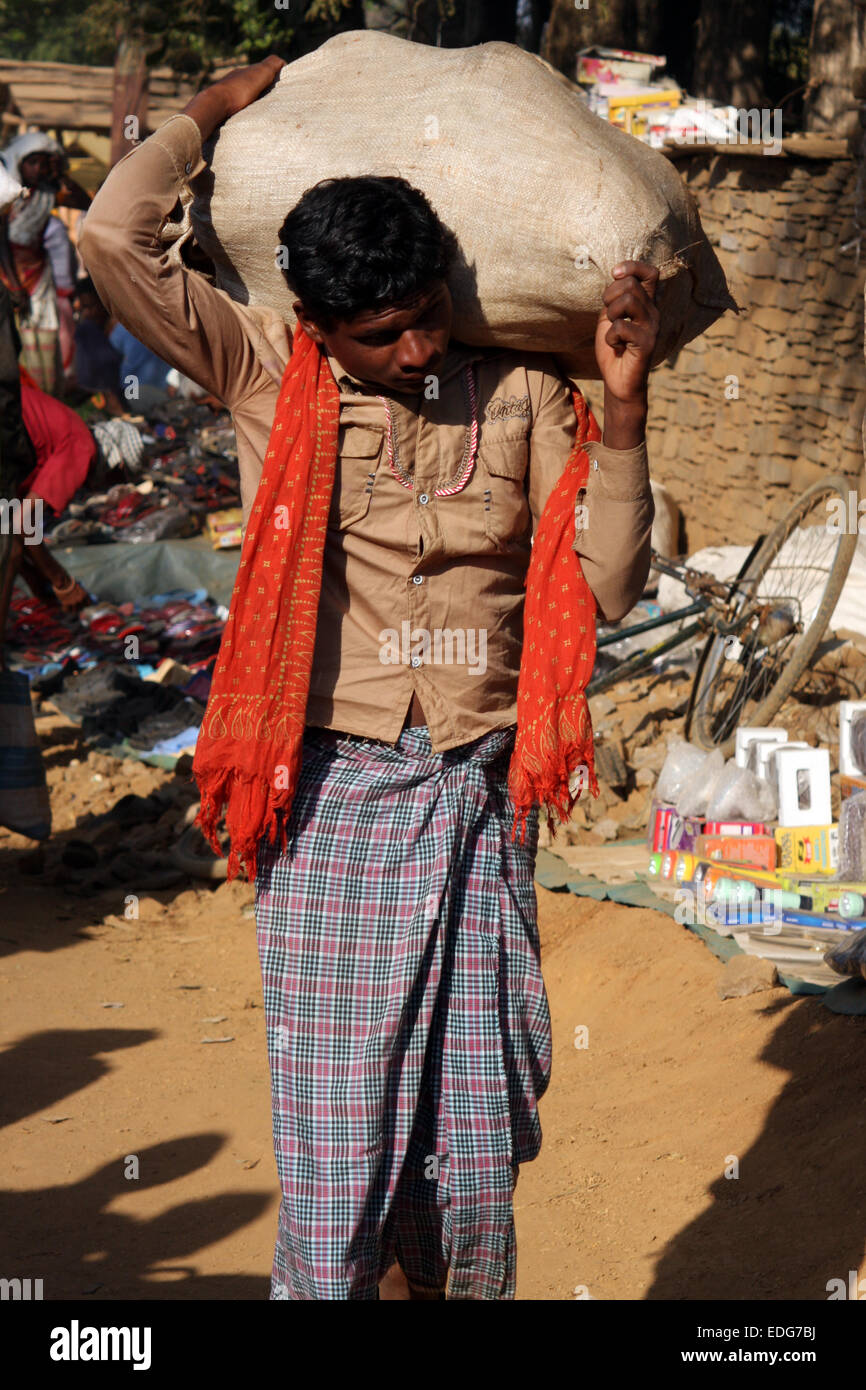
(431, 529)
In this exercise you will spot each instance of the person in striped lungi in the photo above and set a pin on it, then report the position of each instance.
(403, 996)
(431, 528)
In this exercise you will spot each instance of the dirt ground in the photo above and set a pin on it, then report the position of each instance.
(106, 1072)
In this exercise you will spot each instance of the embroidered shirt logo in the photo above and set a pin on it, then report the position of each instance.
(510, 408)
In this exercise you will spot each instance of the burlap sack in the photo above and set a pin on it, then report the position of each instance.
(544, 196)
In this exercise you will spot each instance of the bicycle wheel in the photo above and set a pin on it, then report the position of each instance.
(796, 578)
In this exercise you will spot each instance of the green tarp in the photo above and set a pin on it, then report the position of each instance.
(118, 573)
(553, 873)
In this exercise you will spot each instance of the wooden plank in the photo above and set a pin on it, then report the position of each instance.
(77, 115)
(616, 863)
(809, 147)
(50, 72)
(57, 91)
(78, 97)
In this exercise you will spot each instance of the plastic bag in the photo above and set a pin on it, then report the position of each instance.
(682, 761)
(858, 742)
(850, 957)
(852, 838)
(738, 794)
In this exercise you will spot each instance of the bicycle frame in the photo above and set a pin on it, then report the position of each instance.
(640, 661)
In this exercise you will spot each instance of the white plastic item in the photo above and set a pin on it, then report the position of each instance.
(682, 761)
(747, 736)
(760, 759)
(773, 771)
(10, 188)
(697, 787)
(794, 768)
(737, 794)
(849, 710)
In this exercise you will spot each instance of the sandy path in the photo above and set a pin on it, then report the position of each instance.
(627, 1200)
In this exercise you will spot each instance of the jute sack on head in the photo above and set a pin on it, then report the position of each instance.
(544, 196)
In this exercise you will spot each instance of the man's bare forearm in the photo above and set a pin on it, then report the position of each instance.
(208, 109)
(231, 94)
(624, 421)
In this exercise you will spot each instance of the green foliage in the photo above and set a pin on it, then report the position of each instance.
(788, 54)
(188, 35)
(58, 31)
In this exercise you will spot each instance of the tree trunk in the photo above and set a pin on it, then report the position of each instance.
(612, 23)
(483, 22)
(731, 55)
(837, 46)
(129, 96)
(417, 20)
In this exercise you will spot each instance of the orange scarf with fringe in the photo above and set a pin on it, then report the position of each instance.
(248, 755)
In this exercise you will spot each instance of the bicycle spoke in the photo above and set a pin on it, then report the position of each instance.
(785, 599)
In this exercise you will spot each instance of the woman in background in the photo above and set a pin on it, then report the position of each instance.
(35, 160)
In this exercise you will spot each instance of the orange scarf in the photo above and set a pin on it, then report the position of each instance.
(248, 755)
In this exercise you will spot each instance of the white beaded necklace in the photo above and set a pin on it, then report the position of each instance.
(470, 448)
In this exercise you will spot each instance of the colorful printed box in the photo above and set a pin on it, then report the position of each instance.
(667, 829)
(758, 851)
(735, 827)
(809, 848)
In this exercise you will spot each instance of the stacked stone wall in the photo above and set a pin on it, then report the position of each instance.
(768, 400)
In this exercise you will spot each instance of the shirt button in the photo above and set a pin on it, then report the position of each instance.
(423, 499)
(595, 464)
(416, 661)
(417, 579)
(189, 168)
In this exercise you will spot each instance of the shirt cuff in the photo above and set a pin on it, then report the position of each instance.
(180, 137)
(622, 475)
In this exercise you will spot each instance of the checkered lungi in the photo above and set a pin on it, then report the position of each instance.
(407, 1021)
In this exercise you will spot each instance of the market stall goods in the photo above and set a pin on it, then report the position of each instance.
(545, 197)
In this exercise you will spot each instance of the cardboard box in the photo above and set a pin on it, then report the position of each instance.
(225, 529)
(735, 827)
(667, 829)
(809, 848)
(598, 64)
(757, 851)
(634, 113)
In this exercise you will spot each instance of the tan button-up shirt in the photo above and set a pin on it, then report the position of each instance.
(422, 588)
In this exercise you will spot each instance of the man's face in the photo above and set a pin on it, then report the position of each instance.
(35, 169)
(395, 347)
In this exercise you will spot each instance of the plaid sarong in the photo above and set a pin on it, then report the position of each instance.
(407, 1021)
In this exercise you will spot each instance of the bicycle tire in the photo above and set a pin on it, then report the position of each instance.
(699, 723)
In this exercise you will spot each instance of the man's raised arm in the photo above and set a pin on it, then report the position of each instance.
(143, 283)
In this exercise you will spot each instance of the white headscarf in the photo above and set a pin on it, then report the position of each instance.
(34, 142)
(10, 189)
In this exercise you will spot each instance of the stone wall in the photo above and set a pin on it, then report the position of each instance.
(756, 409)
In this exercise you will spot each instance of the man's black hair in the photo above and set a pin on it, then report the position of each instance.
(363, 243)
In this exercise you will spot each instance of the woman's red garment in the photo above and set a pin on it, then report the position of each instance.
(248, 755)
(64, 446)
